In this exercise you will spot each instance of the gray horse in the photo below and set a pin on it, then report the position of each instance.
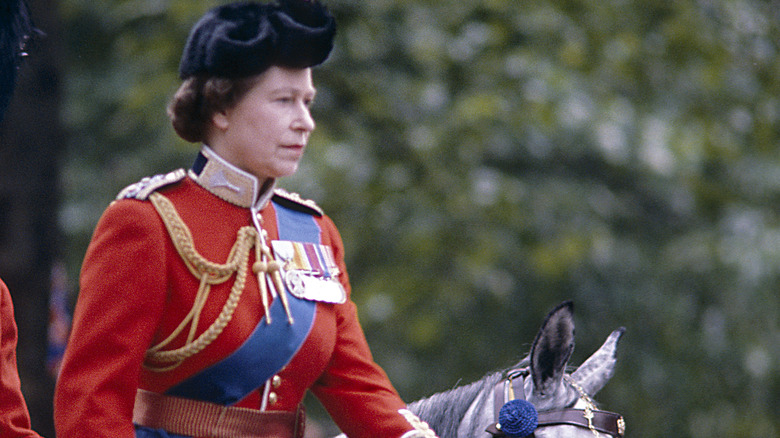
(563, 404)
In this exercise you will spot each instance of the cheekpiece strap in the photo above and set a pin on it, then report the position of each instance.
(509, 388)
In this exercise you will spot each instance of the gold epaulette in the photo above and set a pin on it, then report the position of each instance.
(142, 189)
(294, 201)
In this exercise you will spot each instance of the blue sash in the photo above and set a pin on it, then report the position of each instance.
(270, 346)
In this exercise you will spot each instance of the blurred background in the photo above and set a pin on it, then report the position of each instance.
(484, 161)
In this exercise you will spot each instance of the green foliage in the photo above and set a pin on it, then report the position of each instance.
(485, 160)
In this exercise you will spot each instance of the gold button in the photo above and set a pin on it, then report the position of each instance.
(272, 398)
(276, 381)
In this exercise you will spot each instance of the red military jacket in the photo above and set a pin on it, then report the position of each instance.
(136, 289)
(14, 418)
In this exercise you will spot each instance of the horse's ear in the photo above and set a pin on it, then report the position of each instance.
(552, 348)
(594, 373)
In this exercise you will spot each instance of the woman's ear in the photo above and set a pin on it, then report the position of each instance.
(220, 120)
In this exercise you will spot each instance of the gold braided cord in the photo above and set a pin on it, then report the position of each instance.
(209, 273)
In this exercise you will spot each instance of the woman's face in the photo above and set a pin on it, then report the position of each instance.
(266, 132)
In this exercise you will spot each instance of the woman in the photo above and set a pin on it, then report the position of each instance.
(210, 301)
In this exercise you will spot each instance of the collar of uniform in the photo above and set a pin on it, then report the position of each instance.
(228, 182)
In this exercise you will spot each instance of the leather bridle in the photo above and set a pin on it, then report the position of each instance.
(597, 421)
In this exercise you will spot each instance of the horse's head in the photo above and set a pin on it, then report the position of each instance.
(537, 396)
(563, 401)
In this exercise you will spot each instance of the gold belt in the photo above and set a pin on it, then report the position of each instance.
(203, 419)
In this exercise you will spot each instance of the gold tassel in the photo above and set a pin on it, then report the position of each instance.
(271, 268)
(274, 267)
(260, 268)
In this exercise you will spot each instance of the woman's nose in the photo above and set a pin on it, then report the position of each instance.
(304, 120)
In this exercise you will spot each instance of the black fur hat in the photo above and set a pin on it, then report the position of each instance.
(244, 39)
(15, 29)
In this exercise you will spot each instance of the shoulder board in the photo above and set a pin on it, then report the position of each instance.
(295, 202)
(142, 189)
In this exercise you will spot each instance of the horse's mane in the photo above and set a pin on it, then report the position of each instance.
(443, 411)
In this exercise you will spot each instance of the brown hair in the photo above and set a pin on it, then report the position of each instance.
(199, 97)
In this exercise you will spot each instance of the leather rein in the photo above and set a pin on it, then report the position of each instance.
(597, 421)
